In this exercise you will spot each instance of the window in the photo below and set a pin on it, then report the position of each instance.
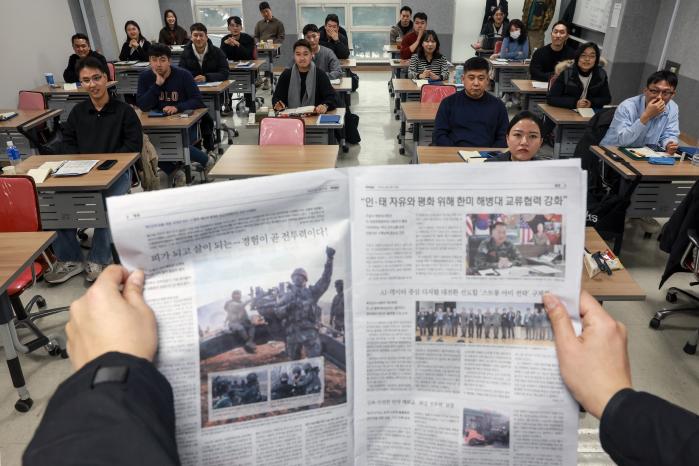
(214, 14)
(367, 24)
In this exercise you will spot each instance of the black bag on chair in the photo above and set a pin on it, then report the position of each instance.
(355, 81)
(352, 128)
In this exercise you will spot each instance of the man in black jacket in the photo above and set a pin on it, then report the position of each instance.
(118, 409)
(200, 57)
(334, 37)
(238, 46)
(81, 47)
(545, 59)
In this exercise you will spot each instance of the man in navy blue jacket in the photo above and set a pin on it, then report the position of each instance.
(472, 118)
(170, 90)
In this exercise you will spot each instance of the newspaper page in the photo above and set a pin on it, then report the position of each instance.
(452, 346)
(247, 280)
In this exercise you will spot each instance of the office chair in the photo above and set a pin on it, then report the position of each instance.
(435, 93)
(282, 131)
(689, 263)
(20, 214)
(112, 71)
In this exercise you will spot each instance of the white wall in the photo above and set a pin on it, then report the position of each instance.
(468, 20)
(145, 12)
(36, 41)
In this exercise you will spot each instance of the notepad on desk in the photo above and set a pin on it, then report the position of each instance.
(540, 85)
(420, 82)
(75, 167)
(7, 115)
(335, 82)
(328, 119)
(473, 156)
(125, 62)
(244, 64)
(42, 172)
(141, 64)
(209, 84)
(298, 110)
(585, 112)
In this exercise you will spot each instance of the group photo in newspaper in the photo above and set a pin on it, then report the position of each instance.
(364, 316)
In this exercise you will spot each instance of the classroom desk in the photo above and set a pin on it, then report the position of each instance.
(244, 78)
(343, 90)
(322, 134)
(26, 120)
(127, 77)
(531, 96)
(270, 52)
(77, 201)
(443, 154)
(59, 98)
(505, 73)
(252, 160)
(619, 286)
(214, 97)
(392, 49)
(17, 252)
(421, 116)
(170, 136)
(347, 65)
(570, 127)
(176, 54)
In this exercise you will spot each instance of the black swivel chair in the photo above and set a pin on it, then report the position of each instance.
(689, 263)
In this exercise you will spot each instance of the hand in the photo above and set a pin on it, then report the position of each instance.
(169, 110)
(434, 76)
(159, 79)
(494, 56)
(476, 45)
(504, 263)
(654, 108)
(321, 109)
(106, 319)
(332, 34)
(133, 43)
(330, 252)
(200, 78)
(232, 42)
(671, 147)
(424, 74)
(584, 103)
(594, 365)
(279, 106)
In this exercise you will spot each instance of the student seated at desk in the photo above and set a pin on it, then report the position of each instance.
(493, 31)
(582, 82)
(410, 41)
(472, 117)
(99, 125)
(170, 90)
(428, 63)
(172, 33)
(403, 27)
(324, 58)
(303, 84)
(523, 139)
(334, 37)
(202, 58)
(545, 59)
(515, 44)
(237, 45)
(135, 46)
(81, 47)
(497, 252)
(649, 118)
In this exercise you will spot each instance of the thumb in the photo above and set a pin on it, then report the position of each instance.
(560, 321)
(133, 289)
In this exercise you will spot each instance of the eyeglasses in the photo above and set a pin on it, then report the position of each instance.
(659, 92)
(94, 79)
(588, 57)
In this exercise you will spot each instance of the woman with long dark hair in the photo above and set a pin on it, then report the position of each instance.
(428, 62)
(172, 33)
(135, 46)
(582, 82)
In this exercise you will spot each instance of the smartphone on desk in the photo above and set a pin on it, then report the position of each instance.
(106, 165)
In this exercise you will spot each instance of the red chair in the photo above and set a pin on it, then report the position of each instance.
(30, 100)
(19, 211)
(435, 93)
(282, 131)
(112, 71)
(498, 46)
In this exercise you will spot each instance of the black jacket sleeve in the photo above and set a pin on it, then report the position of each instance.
(111, 423)
(69, 137)
(599, 94)
(219, 63)
(339, 47)
(140, 54)
(536, 66)
(281, 92)
(325, 94)
(148, 93)
(69, 74)
(559, 95)
(641, 429)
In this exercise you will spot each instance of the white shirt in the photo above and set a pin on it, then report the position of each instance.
(586, 83)
(200, 57)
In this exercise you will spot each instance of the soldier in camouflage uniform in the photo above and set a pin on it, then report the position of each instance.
(310, 382)
(337, 309)
(298, 310)
(283, 389)
(237, 321)
(497, 252)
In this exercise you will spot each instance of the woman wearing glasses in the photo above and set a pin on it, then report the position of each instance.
(582, 82)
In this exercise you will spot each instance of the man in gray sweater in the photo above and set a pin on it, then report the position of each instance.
(323, 57)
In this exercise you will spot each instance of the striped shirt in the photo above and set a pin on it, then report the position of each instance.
(439, 66)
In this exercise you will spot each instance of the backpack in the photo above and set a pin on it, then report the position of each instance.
(355, 81)
(352, 128)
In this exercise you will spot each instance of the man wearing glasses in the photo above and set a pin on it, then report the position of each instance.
(101, 124)
(649, 118)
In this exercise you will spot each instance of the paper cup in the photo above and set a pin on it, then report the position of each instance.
(9, 170)
(49, 79)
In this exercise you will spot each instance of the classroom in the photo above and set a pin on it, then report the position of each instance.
(114, 110)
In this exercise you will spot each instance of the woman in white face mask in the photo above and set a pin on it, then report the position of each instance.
(515, 45)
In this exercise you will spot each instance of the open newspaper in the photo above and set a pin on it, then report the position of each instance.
(368, 316)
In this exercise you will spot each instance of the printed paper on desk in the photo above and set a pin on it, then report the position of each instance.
(298, 110)
(70, 86)
(210, 84)
(406, 242)
(586, 112)
(540, 85)
(420, 82)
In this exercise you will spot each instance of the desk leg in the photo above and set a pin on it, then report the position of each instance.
(558, 141)
(253, 90)
(25, 402)
(187, 160)
(416, 141)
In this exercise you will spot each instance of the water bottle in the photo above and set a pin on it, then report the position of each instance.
(13, 154)
(459, 74)
(695, 159)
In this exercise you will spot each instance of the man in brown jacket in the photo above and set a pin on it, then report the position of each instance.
(268, 28)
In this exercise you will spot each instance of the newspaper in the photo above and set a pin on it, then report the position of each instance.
(329, 317)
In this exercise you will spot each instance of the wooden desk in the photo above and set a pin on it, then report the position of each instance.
(570, 126)
(244, 78)
(270, 52)
(505, 73)
(393, 49)
(348, 63)
(127, 77)
(531, 96)
(247, 160)
(170, 136)
(323, 134)
(77, 201)
(26, 120)
(59, 98)
(421, 116)
(17, 252)
(619, 286)
(437, 154)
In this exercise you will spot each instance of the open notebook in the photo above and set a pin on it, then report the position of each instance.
(298, 110)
